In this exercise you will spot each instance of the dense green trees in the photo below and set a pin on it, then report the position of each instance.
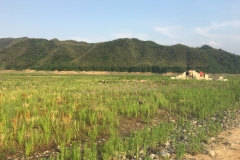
(130, 55)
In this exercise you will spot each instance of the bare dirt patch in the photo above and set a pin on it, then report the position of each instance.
(114, 73)
(29, 71)
(65, 72)
(6, 71)
(225, 146)
(170, 74)
(93, 72)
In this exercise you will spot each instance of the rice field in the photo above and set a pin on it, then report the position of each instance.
(106, 116)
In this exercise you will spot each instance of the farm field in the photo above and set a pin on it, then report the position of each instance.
(111, 116)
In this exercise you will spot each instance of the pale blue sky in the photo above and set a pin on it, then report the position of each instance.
(167, 22)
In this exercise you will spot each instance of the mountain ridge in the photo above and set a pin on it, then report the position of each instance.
(125, 54)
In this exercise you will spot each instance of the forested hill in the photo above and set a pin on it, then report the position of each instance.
(118, 55)
(5, 42)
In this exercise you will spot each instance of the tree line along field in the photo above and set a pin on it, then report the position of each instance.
(107, 116)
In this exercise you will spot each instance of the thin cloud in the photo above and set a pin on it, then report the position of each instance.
(226, 26)
(122, 35)
(221, 35)
(202, 31)
(231, 24)
(142, 36)
(169, 31)
(214, 44)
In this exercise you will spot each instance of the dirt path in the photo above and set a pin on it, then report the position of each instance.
(225, 146)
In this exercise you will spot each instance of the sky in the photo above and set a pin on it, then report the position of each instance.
(167, 22)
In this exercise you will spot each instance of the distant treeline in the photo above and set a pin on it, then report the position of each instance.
(131, 55)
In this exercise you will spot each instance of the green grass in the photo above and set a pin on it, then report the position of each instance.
(42, 111)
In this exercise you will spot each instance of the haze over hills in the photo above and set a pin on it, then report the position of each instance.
(5, 42)
(118, 55)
